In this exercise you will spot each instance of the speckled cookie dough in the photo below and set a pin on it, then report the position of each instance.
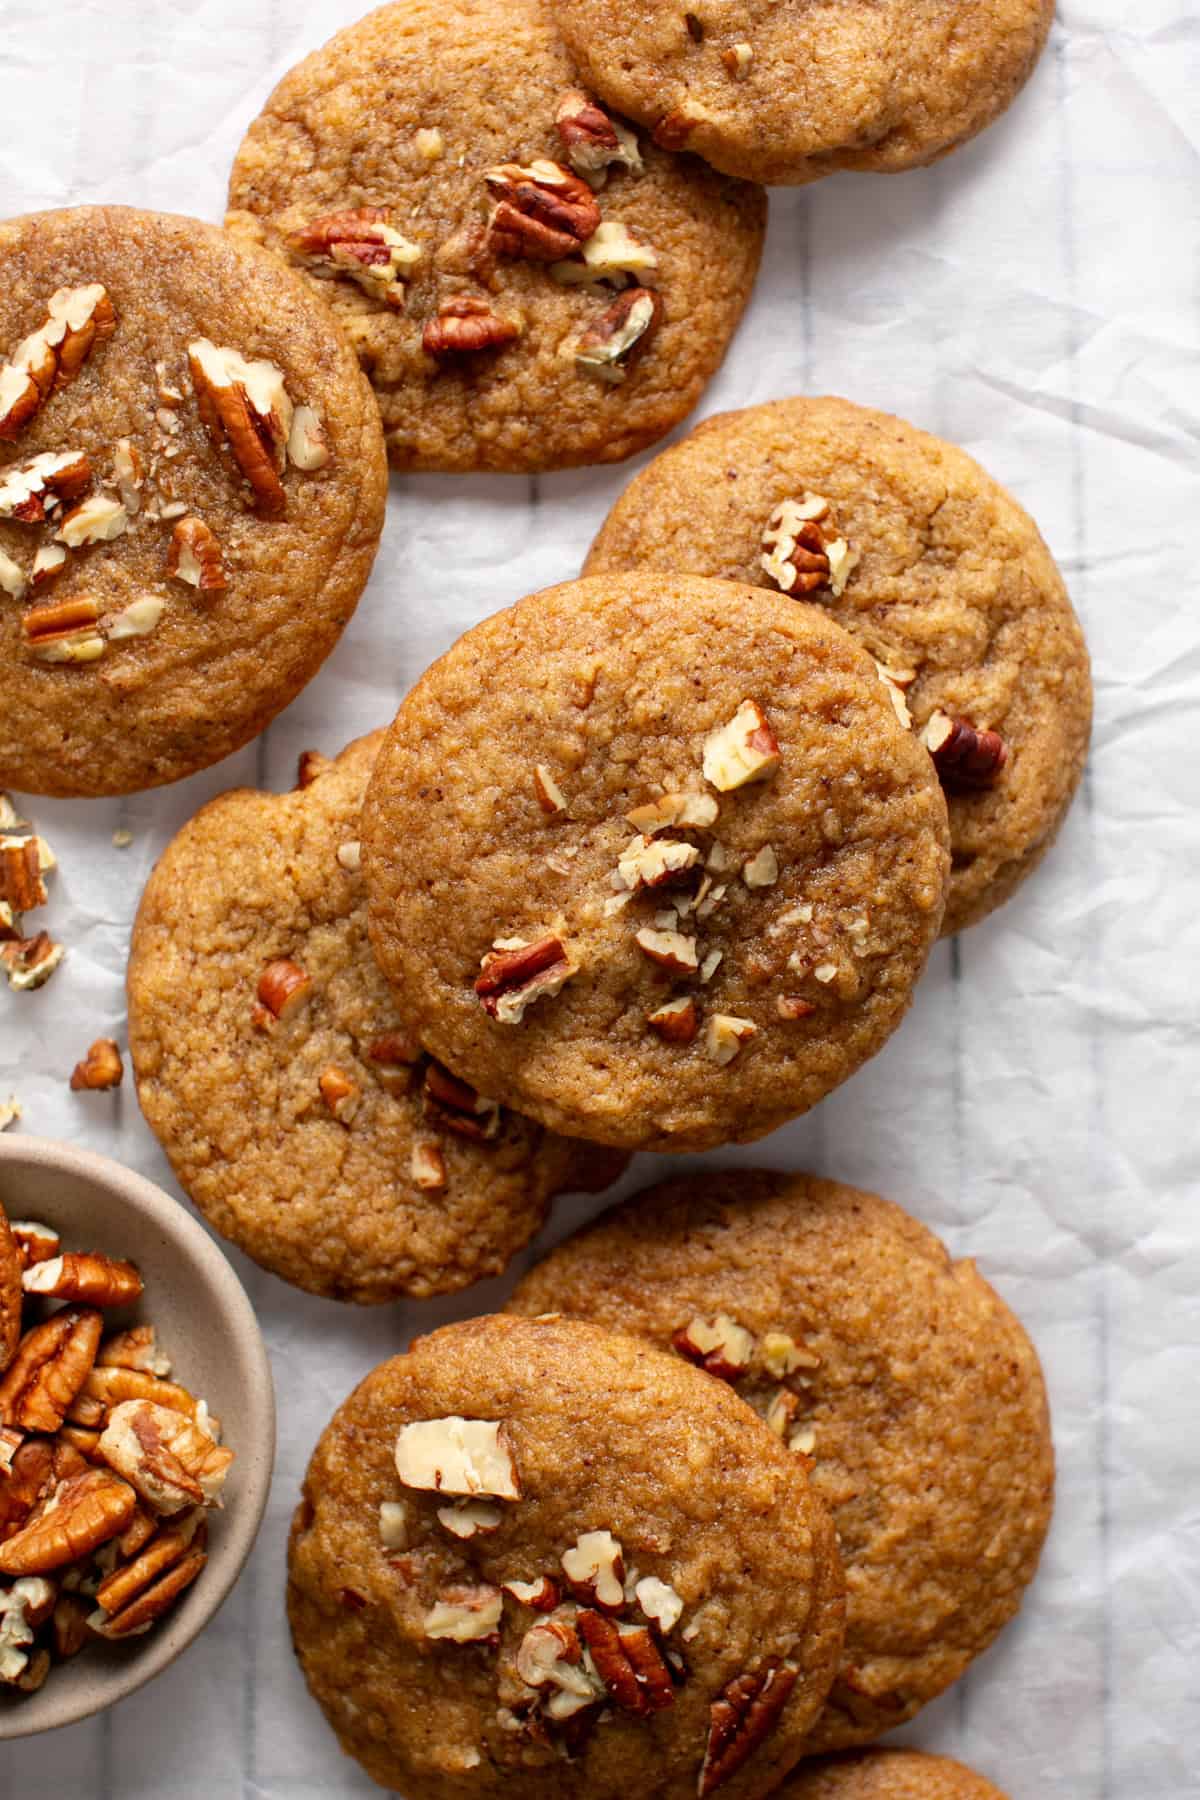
(651, 859)
(528, 283)
(306, 1126)
(192, 485)
(10, 1293)
(903, 1382)
(533, 1556)
(789, 90)
(933, 567)
(887, 1775)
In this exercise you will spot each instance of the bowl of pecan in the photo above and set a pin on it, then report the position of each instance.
(137, 1432)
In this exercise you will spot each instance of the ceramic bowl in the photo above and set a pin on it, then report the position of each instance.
(206, 1326)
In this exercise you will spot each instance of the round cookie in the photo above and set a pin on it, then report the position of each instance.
(786, 91)
(899, 1375)
(942, 577)
(887, 1775)
(323, 1142)
(461, 278)
(752, 942)
(11, 1295)
(184, 532)
(636, 1509)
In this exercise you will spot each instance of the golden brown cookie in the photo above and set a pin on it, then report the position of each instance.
(192, 485)
(933, 567)
(10, 1293)
(536, 1557)
(650, 858)
(788, 90)
(899, 1377)
(887, 1775)
(322, 1141)
(526, 284)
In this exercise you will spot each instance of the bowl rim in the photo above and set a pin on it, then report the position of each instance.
(171, 1218)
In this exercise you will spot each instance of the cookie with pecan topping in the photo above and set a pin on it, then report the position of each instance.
(192, 484)
(899, 1377)
(780, 91)
(934, 568)
(887, 1775)
(306, 1126)
(739, 821)
(527, 282)
(560, 1563)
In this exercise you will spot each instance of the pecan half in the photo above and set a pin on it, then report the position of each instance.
(747, 1712)
(619, 335)
(464, 325)
(88, 1510)
(194, 556)
(69, 1626)
(245, 404)
(30, 490)
(359, 243)
(512, 980)
(965, 758)
(542, 212)
(66, 632)
(456, 1105)
(52, 1363)
(35, 1241)
(52, 356)
(29, 1474)
(85, 1276)
(112, 1385)
(594, 143)
(137, 1349)
(101, 1067)
(21, 884)
(164, 1457)
(140, 1591)
(628, 1662)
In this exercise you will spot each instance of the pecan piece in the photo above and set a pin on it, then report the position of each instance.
(742, 1718)
(52, 1363)
(361, 244)
(88, 1510)
(676, 1021)
(466, 1615)
(453, 1455)
(620, 334)
(66, 632)
(724, 1036)
(743, 751)
(101, 1067)
(247, 405)
(512, 980)
(69, 1626)
(964, 757)
(30, 490)
(30, 1474)
(35, 1241)
(30, 962)
(85, 1276)
(541, 1595)
(595, 1570)
(164, 1457)
(137, 1349)
(283, 987)
(112, 1385)
(138, 1593)
(463, 325)
(542, 212)
(628, 1662)
(194, 556)
(803, 550)
(674, 951)
(21, 884)
(340, 1094)
(456, 1105)
(52, 356)
(594, 143)
(719, 1346)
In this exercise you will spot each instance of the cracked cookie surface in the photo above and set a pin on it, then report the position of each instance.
(407, 112)
(950, 585)
(319, 1142)
(660, 1510)
(176, 561)
(605, 898)
(888, 1775)
(903, 1381)
(789, 90)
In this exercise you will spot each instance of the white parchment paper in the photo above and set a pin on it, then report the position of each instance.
(1035, 299)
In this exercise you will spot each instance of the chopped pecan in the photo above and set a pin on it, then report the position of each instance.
(542, 212)
(194, 556)
(803, 550)
(97, 520)
(307, 445)
(140, 1591)
(547, 791)
(458, 1456)
(676, 1021)
(674, 951)
(137, 1349)
(52, 356)
(466, 1615)
(964, 757)
(35, 1241)
(594, 143)
(49, 561)
(612, 255)
(512, 980)
(88, 1510)
(361, 244)
(456, 1106)
(341, 1095)
(283, 987)
(129, 474)
(52, 1363)
(794, 1006)
(542, 1595)
(29, 490)
(101, 1067)
(21, 884)
(470, 1518)
(30, 962)
(747, 1712)
(761, 870)
(463, 325)
(13, 580)
(673, 131)
(164, 1457)
(628, 1662)
(719, 1346)
(595, 1570)
(737, 59)
(85, 1276)
(655, 862)
(724, 1036)
(69, 1626)
(660, 1603)
(690, 811)
(247, 405)
(621, 333)
(743, 751)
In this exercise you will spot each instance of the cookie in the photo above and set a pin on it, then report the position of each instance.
(910, 545)
(887, 1775)
(321, 1141)
(527, 284)
(192, 485)
(534, 1556)
(899, 1375)
(11, 1295)
(650, 859)
(789, 92)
